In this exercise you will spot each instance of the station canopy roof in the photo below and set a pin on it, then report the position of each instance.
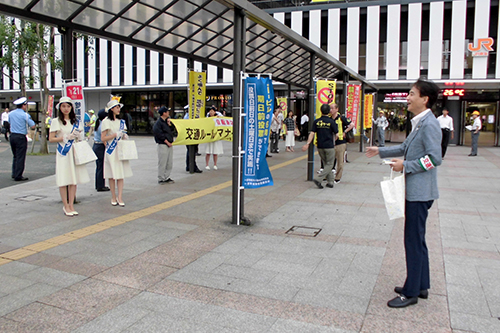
(201, 30)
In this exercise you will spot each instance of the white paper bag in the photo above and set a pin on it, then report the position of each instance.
(83, 153)
(393, 190)
(127, 150)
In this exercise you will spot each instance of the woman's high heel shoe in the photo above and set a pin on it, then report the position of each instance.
(114, 203)
(70, 214)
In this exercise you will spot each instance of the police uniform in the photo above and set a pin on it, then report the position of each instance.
(19, 121)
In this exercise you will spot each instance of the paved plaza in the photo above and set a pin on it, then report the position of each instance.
(171, 261)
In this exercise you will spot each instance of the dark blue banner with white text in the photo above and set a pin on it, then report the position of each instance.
(259, 107)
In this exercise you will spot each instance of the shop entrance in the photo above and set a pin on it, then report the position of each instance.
(489, 120)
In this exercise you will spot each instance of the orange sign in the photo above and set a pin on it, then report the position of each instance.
(482, 47)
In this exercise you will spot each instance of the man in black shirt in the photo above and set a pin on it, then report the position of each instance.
(164, 138)
(326, 129)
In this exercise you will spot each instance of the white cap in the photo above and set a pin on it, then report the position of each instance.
(20, 101)
(111, 104)
(66, 99)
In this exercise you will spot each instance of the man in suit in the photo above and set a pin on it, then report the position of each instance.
(422, 154)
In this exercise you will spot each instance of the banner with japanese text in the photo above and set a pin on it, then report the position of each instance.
(74, 90)
(368, 111)
(197, 93)
(283, 103)
(325, 94)
(259, 107)
(204, 130)
(353, 99)
(50, 106)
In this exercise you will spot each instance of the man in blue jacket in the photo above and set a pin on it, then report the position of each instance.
(422, 154)
(19, 120)
(164, 139)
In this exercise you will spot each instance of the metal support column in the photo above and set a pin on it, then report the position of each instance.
(312, 98)
(191, 149)
(68, 53)
(344, 94)
(238, 68)
(362, 120)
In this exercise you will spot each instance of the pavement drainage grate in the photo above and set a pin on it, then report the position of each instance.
(303, 231)
(30, 198)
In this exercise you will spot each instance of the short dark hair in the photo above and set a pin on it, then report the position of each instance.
(429, 89)
(325, 109)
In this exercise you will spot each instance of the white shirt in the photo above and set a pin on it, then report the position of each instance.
(477, 124)
(445, 122)
(304, 119)
(5, 117)
(415, 120)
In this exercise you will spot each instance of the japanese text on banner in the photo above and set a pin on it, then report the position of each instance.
(353, 99)
(259, 106)
(74, 90)
(368, 111)
(195, 131)
(197, 92)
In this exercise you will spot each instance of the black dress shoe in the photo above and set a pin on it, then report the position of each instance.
(423, 293)
(317, 183)
(329, 185)
(402, 301)
(198, 154)
(21, 179)
(103, 189)
(472, 154)
(267, 155)
(198, 171)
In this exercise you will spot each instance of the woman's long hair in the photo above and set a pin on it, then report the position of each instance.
(72, 115)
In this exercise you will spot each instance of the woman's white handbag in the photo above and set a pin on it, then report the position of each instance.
(393, 190)
(127, 150)
(83, 153)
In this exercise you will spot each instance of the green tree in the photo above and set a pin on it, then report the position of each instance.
(28, 49)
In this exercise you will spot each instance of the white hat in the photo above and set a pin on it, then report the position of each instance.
(20, 101)
(112, 103)
(65, 99)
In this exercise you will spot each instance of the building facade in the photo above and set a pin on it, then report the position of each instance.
(391, 43)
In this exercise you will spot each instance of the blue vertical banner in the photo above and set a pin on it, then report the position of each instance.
(259, 106)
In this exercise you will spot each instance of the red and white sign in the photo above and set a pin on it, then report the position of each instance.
(50, 106)
(74, 90)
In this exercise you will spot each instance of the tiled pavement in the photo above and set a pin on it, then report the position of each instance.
(170, 261)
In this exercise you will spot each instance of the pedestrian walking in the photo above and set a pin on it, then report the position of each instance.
(64, 130)
(164, 138)
(20, 121)
(446, 123)
(382, 124)
(326, 129)
(422, 154)
(5, 124)
(344, 125)
(290, 132)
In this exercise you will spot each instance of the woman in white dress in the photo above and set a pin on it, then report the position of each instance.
(213, 148)
(64, 130)
(112, 130)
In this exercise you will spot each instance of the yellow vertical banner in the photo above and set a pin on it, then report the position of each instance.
(325, 94)
(197, 94)
(283, 104)
(368, 111)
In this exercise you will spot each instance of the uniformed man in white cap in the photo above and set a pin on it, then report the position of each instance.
(19, 120)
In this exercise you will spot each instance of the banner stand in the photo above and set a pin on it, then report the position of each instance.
(241, 151)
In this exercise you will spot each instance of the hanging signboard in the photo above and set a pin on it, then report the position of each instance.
(50, 106)
(353, 99)
(368, 111)
(325, 94)
(197, 94)
(196, 131)
(74, 90)
(259, 106)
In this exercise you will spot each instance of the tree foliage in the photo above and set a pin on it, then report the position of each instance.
(28, 49)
